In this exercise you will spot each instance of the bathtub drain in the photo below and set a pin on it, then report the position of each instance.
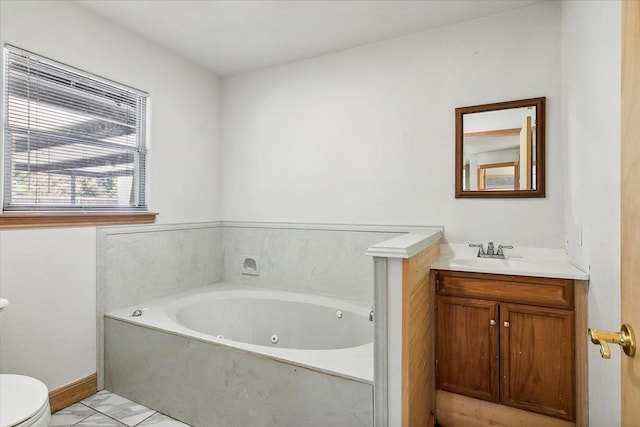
(274, 339)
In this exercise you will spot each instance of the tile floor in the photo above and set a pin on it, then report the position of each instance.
(106, 409)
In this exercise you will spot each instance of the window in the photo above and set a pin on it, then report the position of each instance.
(73, 142)
(498, 176)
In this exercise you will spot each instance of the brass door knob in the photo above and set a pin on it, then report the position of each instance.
(625, 339)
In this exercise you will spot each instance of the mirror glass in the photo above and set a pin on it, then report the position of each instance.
(500, 149)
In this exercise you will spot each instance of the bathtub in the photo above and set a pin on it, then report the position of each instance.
(241, 355)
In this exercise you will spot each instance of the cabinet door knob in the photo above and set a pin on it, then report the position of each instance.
(506, 324)
(492, 322)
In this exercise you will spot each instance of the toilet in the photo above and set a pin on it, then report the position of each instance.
(24, 402)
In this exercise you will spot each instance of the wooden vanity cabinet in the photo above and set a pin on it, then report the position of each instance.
(507, 339)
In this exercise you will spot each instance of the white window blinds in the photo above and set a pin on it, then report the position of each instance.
(72, 141)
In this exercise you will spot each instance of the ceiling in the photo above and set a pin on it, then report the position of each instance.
(232, 36)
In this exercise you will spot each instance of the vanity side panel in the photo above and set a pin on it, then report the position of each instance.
(582, 394)
(418, 344)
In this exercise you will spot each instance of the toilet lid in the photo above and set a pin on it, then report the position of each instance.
(21, 398)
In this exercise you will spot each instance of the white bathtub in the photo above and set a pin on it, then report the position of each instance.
(324, 334)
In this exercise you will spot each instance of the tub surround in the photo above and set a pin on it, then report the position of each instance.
(206, 380)
(204, 384)
(407, 245)
(519, 261)
(141, 263)
(311, 258)
(355, 362)
(404, 387)
(318, 259)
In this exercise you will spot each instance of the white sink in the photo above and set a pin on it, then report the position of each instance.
(514, 263)
(538, 262)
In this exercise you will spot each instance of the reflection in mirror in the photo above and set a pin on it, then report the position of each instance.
(497, 176)
(495, 144)
(500, 149)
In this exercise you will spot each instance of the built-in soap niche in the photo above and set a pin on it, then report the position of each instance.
(251, 265)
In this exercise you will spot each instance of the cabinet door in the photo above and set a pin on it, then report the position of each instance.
(467, 347)
(537, 359)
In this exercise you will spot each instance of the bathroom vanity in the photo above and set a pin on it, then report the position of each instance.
(510, 334)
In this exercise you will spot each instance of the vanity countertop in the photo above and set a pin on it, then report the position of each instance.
(536, 262)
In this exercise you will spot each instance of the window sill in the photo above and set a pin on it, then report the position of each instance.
(73, 219)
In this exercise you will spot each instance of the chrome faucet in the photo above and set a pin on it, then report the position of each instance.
(491, 252)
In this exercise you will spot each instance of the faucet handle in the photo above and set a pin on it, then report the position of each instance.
(501, 247)
(479, 246)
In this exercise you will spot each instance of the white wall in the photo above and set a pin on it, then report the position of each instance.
(367, 135)
(591, 114)
(49, 275)
(48, 331)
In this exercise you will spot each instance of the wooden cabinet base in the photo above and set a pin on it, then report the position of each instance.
(542, 343)
(455, 410)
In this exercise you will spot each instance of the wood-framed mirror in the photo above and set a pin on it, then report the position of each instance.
(500, 149)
